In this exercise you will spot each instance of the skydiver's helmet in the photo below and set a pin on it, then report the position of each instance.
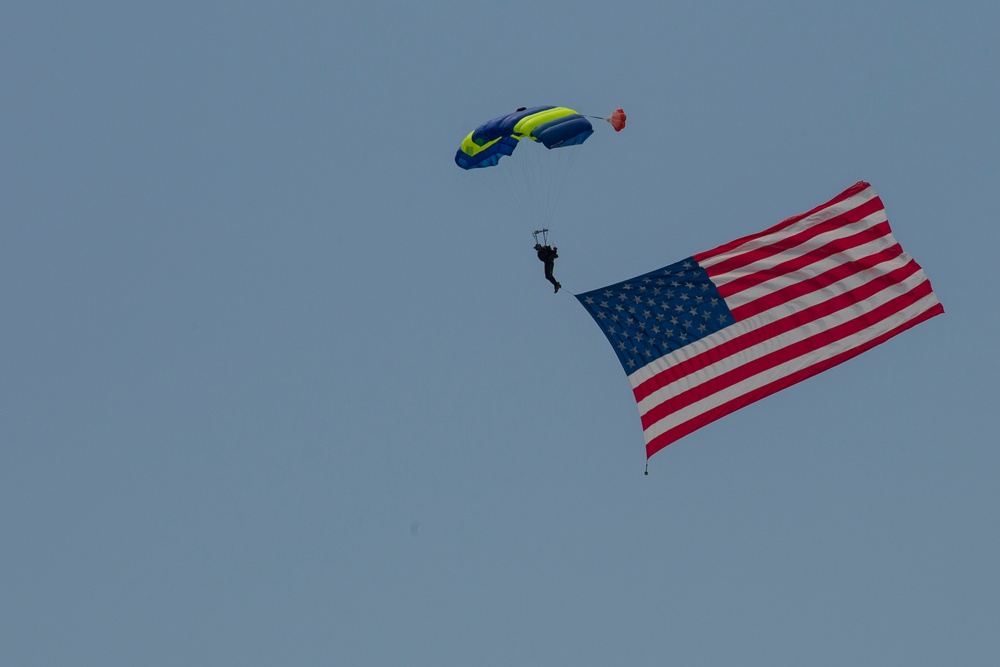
(538, 246)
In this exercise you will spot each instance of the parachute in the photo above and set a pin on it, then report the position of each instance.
(553, 127)
(533, 180)
(617, 119)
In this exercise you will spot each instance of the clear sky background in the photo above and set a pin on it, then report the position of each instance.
(282, 385)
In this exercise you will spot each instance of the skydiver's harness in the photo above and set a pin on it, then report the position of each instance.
(546, 253)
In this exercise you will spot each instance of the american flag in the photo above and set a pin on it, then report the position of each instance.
(710, 334)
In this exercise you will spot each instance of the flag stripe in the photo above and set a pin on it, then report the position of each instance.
(775, 328)
(657, 441)
(847, 200)
(785, 289)
(768, 251)
(801, 262)
(810, 336)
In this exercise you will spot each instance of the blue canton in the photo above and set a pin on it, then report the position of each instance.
(654, 314)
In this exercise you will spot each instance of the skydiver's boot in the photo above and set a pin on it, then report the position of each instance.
(558, 285)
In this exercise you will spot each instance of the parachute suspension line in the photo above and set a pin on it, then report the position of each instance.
(544, 233)
(561, 176)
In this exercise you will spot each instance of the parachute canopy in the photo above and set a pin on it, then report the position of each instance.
(617, 119)
(553, 127)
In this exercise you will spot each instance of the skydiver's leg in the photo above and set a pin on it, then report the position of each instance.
(548, 275)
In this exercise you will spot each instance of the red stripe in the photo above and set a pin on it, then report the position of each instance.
(798, 262)
(707, 417)
(726, 247)
(794, 350)
(792, 241)
(772, 329)
(815, 283)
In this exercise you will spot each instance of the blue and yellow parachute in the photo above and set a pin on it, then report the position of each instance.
(553, 127)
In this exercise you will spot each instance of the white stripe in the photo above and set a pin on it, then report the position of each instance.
(810, 272)
(723, 336)
(822, 215)
(765, 347)
(809, 245)
(788, 368)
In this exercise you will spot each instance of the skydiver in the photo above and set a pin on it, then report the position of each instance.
(547, 254)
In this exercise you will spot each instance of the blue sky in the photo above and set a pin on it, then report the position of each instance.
(280, 384)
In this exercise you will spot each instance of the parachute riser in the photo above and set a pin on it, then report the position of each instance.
(544, 233)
